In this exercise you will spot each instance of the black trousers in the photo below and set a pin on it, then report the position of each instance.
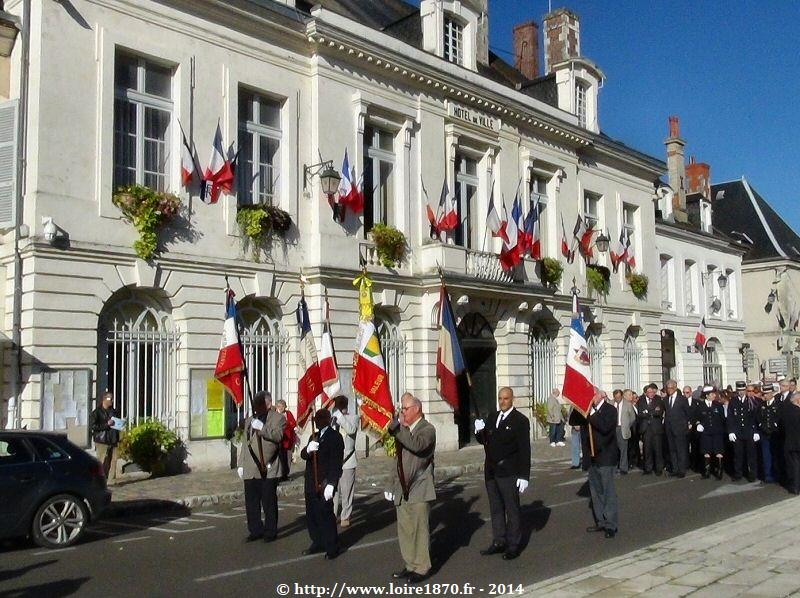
(504, 508)
(745, 447)
(678, 451)
(261, 494)
(793, 470)
(321, 524)
(653, 451)
(633, 451)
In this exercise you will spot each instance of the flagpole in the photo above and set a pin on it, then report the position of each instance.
(313, 401)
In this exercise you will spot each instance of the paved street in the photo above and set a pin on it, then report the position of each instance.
(203, 553)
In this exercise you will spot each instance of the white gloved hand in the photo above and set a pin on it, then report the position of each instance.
(328, 492)
(700, 427)
(388, 496)
(732, 437)
(479, 425)
(756, 437)
(256, 424)
(522, 485)
(312, 446)
(240, 471)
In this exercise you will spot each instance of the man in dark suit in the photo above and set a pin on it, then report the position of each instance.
(507, 471)
(676, 421)
(651, 426)
(789, 416)
(742, 423)
(323, 456)
(603, 427)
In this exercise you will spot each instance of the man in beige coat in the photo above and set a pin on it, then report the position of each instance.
(260, 467)
(411, 487)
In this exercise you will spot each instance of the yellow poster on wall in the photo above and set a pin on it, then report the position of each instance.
(215, 414)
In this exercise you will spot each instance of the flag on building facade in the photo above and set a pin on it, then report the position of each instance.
(432, 215)
(493, 223)
(578, 387)
(370, 381)
(510, 253)
(329, 370)
(309, 387)
(700, 335)
(230, 361)
(450, 362)
(218, 175)
(447, 202)
(535, 240)
(566, 251)
(349, 193)
(629, 255)
(618, 252)
(187, 161)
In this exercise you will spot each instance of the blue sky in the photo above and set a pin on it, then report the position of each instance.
(729, 69)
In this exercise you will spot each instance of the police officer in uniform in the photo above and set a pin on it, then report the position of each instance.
(651, 428)
(743, 431)
(770, 435)
(507, 471)
(709, 420)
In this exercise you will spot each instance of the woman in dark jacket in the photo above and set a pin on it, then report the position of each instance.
(105, 437)
(710, 424)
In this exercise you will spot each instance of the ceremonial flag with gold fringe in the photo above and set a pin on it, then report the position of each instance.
(370, 381)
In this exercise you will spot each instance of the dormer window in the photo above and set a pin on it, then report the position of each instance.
(581, 89)
(453, 40)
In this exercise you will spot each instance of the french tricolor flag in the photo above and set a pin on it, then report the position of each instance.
(329, 370)
(578, 387)
(450, 362)
(700, 336)
(230, 362)
(219, 173)
(309, 387)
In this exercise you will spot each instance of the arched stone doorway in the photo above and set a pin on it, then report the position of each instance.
(480, 349)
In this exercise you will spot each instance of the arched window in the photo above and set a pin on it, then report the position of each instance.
(712, 365)
(137, 350)
(543, 355)
(596, 354)
(633, 362)
(264, 346)
(393, 346)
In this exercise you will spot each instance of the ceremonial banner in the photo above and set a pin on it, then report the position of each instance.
(230, 361)
(309, 387)
(449, 358)
(578, 387)
(700, 335)
(328, 368)
(370, 381)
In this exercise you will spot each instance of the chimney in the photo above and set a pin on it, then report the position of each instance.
(526, 49)
(482, 37)
(562, 37)
(676, 168)
(698, 178)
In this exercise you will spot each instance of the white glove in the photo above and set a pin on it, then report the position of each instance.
(312, 446)
(732, 437)
(479, 425)
(522, 485)
(756, 437)
(328, 492)
(256, 424)
(240, 471)
(388, 496)
(700, 427)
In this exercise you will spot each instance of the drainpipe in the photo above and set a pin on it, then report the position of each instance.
(22, 137)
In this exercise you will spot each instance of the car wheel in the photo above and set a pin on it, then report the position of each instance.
(59, 522)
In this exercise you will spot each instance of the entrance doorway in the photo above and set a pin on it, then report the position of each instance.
(479, 399)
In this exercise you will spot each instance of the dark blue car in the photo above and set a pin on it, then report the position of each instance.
(50, 489)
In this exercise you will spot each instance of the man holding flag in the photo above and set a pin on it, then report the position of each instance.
(450, 362)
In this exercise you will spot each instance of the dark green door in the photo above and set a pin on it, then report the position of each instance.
(479, 399)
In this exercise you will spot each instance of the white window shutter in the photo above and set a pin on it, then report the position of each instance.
(8, 162)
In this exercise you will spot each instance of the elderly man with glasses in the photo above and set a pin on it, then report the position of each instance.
(605, 454)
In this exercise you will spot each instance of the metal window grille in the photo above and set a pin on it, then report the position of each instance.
(139, 352)
(712, 368)
(542, 366)
(264, 347)
(393, 346)
(633, 361)
(453, 41)
(596, 354)
(260, 140)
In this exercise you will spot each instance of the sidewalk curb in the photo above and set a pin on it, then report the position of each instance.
(293, 488)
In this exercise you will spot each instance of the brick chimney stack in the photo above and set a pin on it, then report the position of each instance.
(698, 177)
(526, 49)
(562, 37)
(676, 169)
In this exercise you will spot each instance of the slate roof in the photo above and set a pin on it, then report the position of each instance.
(740, 212)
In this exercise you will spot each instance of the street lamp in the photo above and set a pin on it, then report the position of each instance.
(328, 177)
(722, 281)
(602, 242)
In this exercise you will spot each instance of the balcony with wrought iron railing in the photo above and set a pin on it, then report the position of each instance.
(368, 256)
(481, 265)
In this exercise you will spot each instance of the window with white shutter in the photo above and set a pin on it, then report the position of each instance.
(8, 161)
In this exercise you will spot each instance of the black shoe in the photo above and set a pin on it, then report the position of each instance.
(647, 472)
(312, 550)
(610, 533)
(680, 475)
(253, 537)
(595, 528)
(575, 467)
(329, 556)
(493, 549)
(269, 539)
(736, 478)
(414, 577)
(751, 480)
(510, 555)
(402, 574)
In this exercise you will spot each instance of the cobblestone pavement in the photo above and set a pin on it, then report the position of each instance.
(136, 492)
(754, 554)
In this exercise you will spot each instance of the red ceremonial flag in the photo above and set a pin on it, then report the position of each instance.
(219, 174)
(450, 362)
(230, 361)
(329, 370)
(578, 388)
(309, 387)
(700, 335)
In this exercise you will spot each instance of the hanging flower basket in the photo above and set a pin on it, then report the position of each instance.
(390, 244)
(551, 271)
(638, 284)
(598, 278)
(259, 223)
(148, 211)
